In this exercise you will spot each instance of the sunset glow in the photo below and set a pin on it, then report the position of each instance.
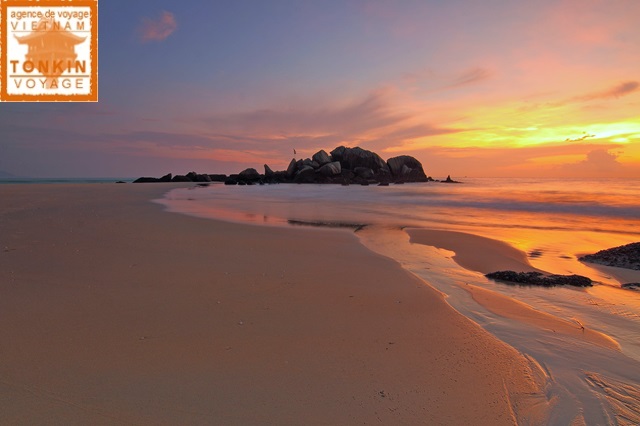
(547, 88)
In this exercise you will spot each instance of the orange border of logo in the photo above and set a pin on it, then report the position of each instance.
(93, 95)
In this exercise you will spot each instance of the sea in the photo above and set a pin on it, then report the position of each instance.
(551, 221)
(30, 180)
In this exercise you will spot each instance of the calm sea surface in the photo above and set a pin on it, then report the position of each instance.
(26, 180)
(554, 221)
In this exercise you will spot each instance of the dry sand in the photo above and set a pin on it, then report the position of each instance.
(115, 312)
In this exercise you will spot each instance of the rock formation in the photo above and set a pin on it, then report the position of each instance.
(343, 165)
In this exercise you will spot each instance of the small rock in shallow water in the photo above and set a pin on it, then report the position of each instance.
(539, 279)
(627, 256)
(631, 286)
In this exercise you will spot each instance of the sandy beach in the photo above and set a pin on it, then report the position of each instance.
(116, 312)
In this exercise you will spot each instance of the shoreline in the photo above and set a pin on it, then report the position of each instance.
(119, 311)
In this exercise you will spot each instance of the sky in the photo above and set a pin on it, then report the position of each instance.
(492, 88)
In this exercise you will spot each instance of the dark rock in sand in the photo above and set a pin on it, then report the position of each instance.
(539, 279)
(631, 286)
(321, 157)
(121, 181)
(627, 256)
(572, 280)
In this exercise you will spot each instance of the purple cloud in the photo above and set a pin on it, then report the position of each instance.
(157, 29)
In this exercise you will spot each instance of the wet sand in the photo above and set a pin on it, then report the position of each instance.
(585, 339)
(474, 252)
(116, 312)
(484, 255)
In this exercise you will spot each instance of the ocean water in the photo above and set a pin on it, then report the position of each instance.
(552, 221)
(28, 180)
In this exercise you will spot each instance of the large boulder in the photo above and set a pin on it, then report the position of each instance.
(305, 175)
(399, 166)
(330, 169)
(383, 175)
(350, 158)
(321, 157)
(249, 175)
(337, 153)
(293, 167)
(268, 173)
(310, 162)
(364, 172)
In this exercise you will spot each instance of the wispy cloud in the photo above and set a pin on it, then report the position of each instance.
(157, 29)
(614, 92)
(469, 77)
(372, 122)
(582, 137)
(370, 112)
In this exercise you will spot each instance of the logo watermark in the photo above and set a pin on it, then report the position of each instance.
(49, 50)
